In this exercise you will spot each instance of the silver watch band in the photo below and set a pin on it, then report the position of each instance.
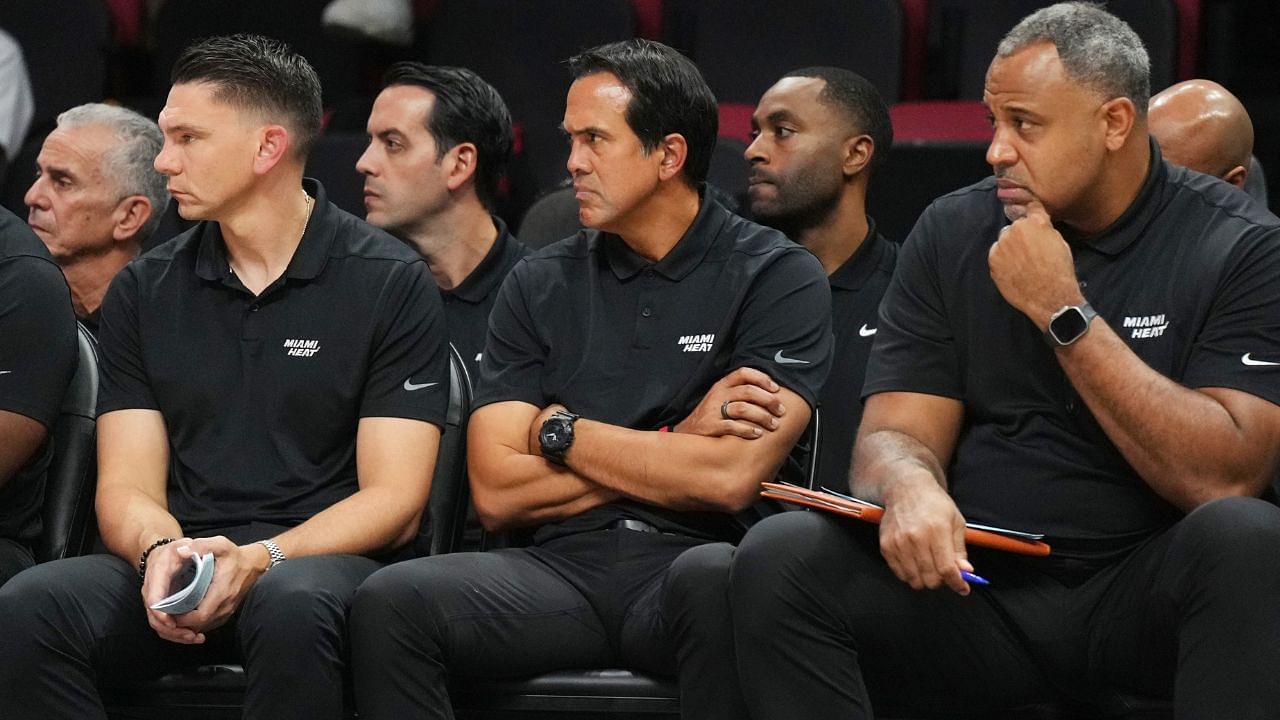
(277, 555)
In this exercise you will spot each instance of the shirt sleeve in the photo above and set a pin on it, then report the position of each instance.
(1239, 344)
(785, 326)
(409, 361)
(915, 347)
(37, 338)
(123, 381)
(511, 368)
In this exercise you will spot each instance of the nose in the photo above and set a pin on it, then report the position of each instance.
(165, 163)
(36, 196)
(1000, 154)
(364, 165)
(755, 152)
(577, 163)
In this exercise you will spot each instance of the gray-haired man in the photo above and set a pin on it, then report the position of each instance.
(1085, 345)
(96, 197)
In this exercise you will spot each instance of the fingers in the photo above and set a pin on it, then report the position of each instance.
(753, 377)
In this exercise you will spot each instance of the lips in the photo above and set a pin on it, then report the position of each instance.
(1009, 191)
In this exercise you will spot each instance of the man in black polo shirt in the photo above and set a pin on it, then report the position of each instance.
(596, 345)
(439, 139)
(1105, 370)
(37, 360)
(273, 382)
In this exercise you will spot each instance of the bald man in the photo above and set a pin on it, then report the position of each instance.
(1200, 125)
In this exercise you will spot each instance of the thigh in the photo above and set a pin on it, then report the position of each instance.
(14, 558)
(497, 613)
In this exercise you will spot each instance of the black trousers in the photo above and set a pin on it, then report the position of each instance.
(14, 558)
(610, 598)
(70, 625)
(823, 628)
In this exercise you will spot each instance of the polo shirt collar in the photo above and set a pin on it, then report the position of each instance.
(308, 259)
(477, 286)
(686, 255)
(1133, 222)
(862, 263)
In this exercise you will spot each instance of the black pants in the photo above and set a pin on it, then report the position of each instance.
(611, 598)
(14, 558)
(823, 627)
(67, 626)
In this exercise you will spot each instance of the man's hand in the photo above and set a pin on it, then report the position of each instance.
(162, 564)
(1032, 267)
(922, 536)
(237, 569)
(750, 399)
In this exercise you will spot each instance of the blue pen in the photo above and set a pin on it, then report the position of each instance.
(975, 579)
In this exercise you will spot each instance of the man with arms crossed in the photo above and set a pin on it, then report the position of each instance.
(273, 383)
(597, 344)
(1105, 370)
(96, 197)
(439, 138)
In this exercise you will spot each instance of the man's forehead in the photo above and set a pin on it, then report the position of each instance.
(405, 101)
(1031, 72)
(78, 145)
(794, 96)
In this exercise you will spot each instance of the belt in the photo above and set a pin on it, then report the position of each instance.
(634, 526)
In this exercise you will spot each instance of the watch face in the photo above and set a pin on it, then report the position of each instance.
(1068, 326)
(555, 433)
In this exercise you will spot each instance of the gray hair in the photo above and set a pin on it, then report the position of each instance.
(1096, 48)
(130, 163)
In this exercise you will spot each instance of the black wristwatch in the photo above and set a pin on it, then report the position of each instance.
(1069, 324)
(556, 435)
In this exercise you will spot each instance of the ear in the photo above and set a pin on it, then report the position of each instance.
(674, 150)
(857, 152)
(274, 144)
(129, 216)
(1237, 176)
(463, 160)
(1118, 116)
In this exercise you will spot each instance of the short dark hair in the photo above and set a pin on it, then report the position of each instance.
(253, 72)
(860, 101)
(668, 95)
(467, 109)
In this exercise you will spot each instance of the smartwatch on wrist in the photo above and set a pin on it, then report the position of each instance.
(1069, 324)
(556, 435)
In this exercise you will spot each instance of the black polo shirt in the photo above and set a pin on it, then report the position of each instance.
(37, 360)
(856, 289)
(588, 323)
(1187, 276)
(467, 306)
(261, 395)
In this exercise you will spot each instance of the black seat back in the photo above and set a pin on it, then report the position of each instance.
(442, 524)
(69, 485)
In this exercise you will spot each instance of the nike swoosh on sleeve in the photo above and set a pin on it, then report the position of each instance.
(411, 386)
(784, 360)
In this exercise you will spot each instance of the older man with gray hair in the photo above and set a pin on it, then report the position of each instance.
(96, 197)
(1085, 346)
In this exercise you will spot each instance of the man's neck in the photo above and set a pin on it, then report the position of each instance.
(1117, 189)
(836, 237)
(264, 230)
(455, 241)
(90, 277)
(660, 221)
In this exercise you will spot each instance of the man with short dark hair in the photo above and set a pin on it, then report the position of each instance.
(96, 197)
(1085, 346)
(37, 360)
(273, 384)
(597, 345)
(439, 138)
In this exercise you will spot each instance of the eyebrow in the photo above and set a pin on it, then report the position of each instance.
(184, 127)
(590, 129)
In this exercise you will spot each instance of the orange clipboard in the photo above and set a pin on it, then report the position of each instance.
(867, 512)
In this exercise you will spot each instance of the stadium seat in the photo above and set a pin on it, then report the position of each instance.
(68, 528)
(215, 692)
(915, 174)
(333, 163)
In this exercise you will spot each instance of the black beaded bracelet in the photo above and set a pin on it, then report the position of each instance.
(142, 561)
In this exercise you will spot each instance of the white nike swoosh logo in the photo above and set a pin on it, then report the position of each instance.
(781, 360)
(1250, 361)
(478, 356)
(5, 372)
(865, 331)
(411, 387)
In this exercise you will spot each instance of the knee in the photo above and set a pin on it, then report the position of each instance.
(699, 580)
(1236, 532)
(411, 596)
(782, 549)
(292, 598)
